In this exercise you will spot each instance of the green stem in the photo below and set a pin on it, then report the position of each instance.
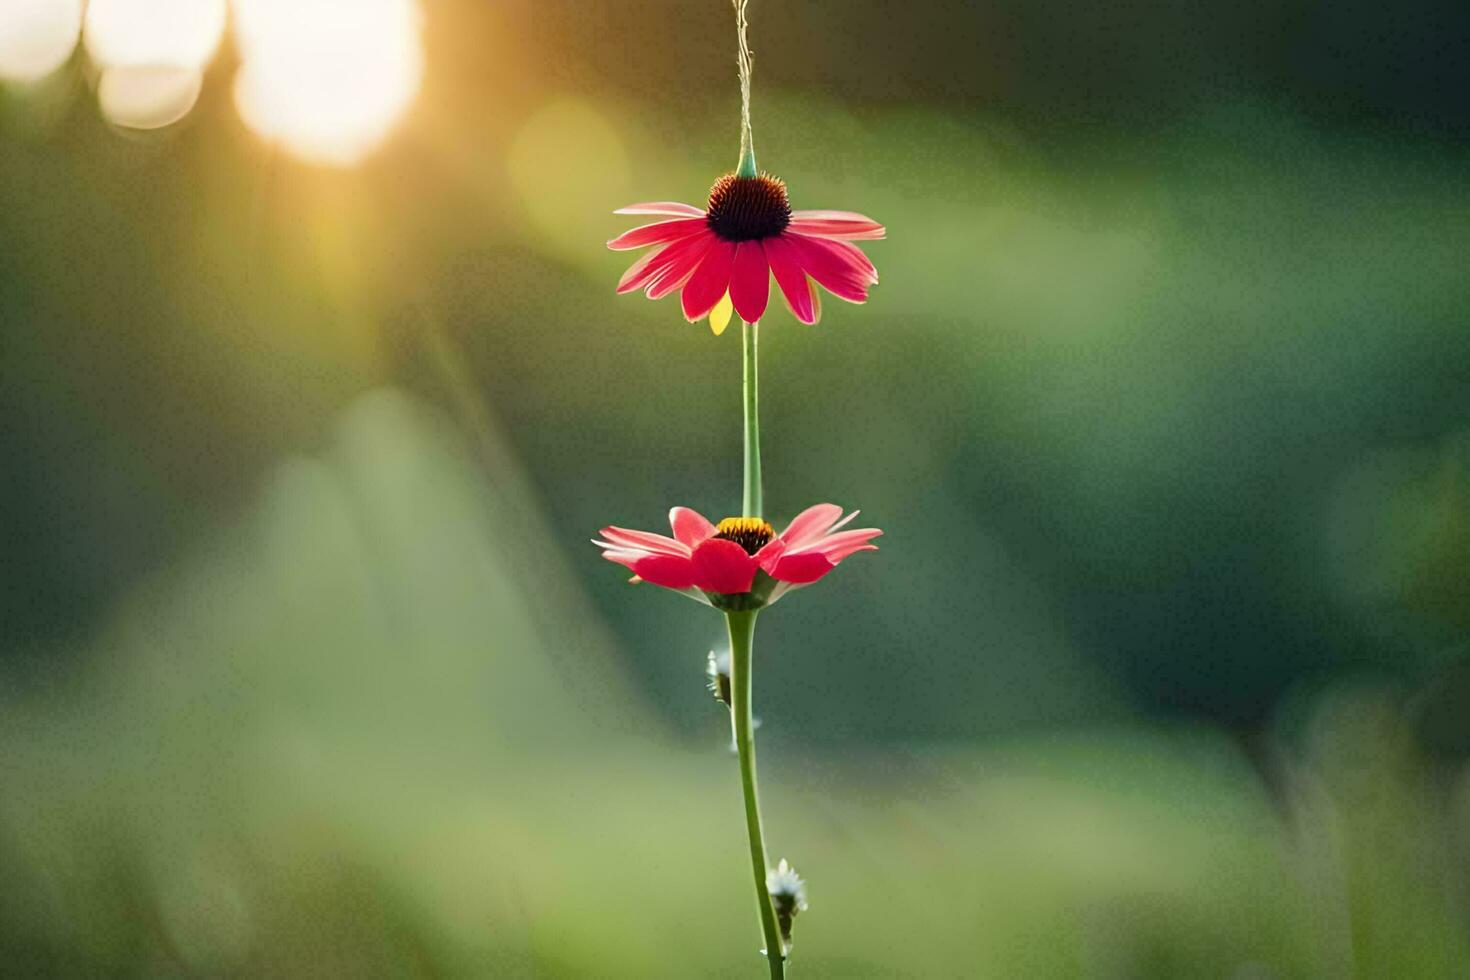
(747, 164)
(750, 502)
(742, 637)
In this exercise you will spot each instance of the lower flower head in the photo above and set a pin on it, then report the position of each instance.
(751, 533)
(721, 258)
(740, 562)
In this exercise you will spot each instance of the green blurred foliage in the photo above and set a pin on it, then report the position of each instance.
(306, 668)
(349, 737)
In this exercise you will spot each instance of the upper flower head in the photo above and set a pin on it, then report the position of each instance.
(741, 561)
(722, 258)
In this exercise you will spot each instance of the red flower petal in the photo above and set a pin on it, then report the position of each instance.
(681, 266)
(690, 526)
(837, 224)
(666, 570)
(644, 541)
(723, 566)
(656, 233)
(767, 557)
(750, 281)
(625, 558)
(710, 281)
(638, 273)
(786, 266)
(673, 208)
(854, 256)
(838, 546)
(826, 262)
(826, 214)
(801, 569)
(839, 555)
(651, 266)
(809, 526)
(836, 230)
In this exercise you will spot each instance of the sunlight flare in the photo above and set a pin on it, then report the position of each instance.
(154, 33)
(148, 97)
(37, 37)
(151, 55)
(327, 79)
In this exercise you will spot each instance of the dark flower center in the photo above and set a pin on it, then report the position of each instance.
(751, 533)
(742, 209)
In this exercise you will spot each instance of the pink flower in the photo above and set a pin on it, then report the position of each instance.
(740, 555)
(725, 255)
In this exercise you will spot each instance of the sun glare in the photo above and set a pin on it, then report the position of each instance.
(151, 54)
(149, 97)
(327, 79)
(37, 37)
(154, 33)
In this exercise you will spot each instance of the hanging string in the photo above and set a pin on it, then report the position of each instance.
(743, 59)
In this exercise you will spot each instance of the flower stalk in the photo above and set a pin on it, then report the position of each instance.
(720, 259)
(742, 637)
(742, 632)
(750, 501)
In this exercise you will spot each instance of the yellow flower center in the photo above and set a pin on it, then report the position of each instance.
(751, 533)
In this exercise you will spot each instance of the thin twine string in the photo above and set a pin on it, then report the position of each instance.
(744, 61)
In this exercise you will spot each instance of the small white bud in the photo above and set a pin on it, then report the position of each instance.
(788, 895)
(718, 672)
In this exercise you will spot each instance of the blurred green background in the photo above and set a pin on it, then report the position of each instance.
(308, 669)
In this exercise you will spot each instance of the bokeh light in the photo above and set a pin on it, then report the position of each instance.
(138, 33)
(566, 163)
(327, 79)
(150, 96)
(152, 55)
(307, 668)
(37, 37)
